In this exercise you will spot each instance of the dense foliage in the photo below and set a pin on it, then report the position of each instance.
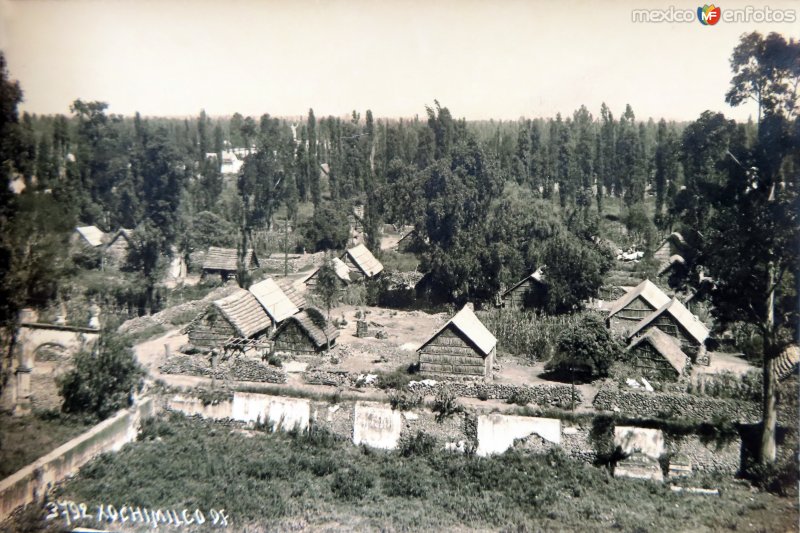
(585, 349)
(103, 381)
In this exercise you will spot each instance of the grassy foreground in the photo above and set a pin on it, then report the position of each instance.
(317, 482)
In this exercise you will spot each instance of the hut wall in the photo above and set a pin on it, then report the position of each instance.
(670, 326)
(663, 253)
(291, 340)
(449, 354)
(522, 296)
(117, 252)
(355, 272)
(631, 314)
(211, 331)
(224, 274)
(652, 364)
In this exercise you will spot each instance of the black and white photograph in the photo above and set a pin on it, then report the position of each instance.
(399, 266)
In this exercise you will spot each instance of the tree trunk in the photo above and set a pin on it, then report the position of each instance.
(770, 415)
(769, 412)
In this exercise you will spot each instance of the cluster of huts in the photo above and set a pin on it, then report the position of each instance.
(113, 247)
(269, 317)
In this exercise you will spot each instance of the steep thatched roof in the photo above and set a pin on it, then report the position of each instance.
(673, 261)
(649, 292)
(364, 260)
(226, 259)
(471, 327)
(295, 296)
(339, 267)
(274, 301)
(317, 335)
(92, 235)
(537, 276)
(696, 329)
(244, 312)
(666, 345)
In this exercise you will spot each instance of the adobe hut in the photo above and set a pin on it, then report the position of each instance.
(658, 355)
(675, 320)
(342, 272)
(462, 348)
(298, 335)
(117, 248)
(278, 305)
(525, 293)
(237, 316)
(634, 305)
(361, 263)
(224, 261)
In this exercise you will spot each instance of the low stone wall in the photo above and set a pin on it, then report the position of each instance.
(35, 480)
(675, 406)
(238, 369)
(543, 395)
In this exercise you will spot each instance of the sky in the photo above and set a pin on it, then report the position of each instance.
(487, 59)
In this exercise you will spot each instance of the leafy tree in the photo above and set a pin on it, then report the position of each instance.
(573, 269)
(327, 229)
(754, 232)
(328, 283)
(585, 347)
(103, 382)
(606, 153)
(666, 165)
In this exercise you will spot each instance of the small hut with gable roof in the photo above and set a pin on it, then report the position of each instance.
(462, 348)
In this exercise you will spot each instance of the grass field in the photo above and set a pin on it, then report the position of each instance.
(318, 482)
(24, 439)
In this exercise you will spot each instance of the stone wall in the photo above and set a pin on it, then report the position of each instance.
(235, 369)
(35, 480)
(675, 405)
(543, 395)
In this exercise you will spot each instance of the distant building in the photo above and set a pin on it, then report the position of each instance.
(634, 305)
(675, 244)
(116, 253)
(339, 267)
(462, 348)
(677, 321)
(658, 355)
(91, 236)
(787, 363)
(224, 262)
(361, 262)
(237, 316)
(299, 335)
(525, 292)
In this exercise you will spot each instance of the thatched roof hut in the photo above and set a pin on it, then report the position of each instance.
(339, 267)
(274, 300)
(676, 320)
(787, 363)
(300, 335)
(224, 261)
(361, 262)
(237, 315)
(524, 293)
(658, 355)
(461, 348)
(634, 305)
(118, 247)
(90, 236)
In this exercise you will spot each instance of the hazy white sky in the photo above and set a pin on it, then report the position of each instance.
(483, 59)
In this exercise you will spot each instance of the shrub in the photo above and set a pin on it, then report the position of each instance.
(445, 403)
(420, 444)
(586, 347)
(274, 360)
(104, 382)
(351, 484)
(405, 400)
(397, 379)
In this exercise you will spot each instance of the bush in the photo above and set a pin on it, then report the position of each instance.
(420, 444)
(586, 347)
(405, 400)
(397, 379)
(104, 382)
(274, 360)
(351, 484)
(445, 403)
